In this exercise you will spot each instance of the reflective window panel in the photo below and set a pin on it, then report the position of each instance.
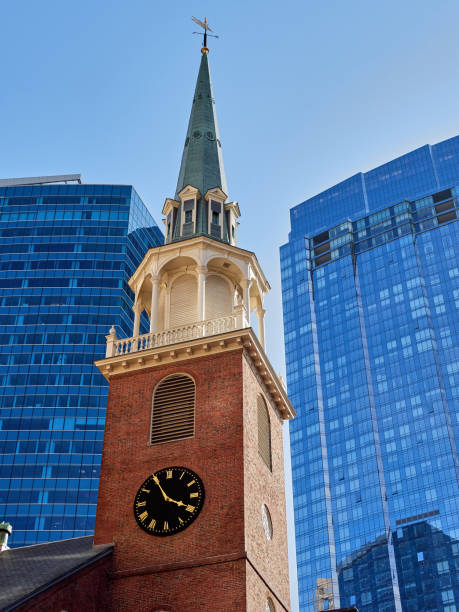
(370, 282)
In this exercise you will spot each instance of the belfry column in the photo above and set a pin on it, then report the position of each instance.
(201, 270)
(246, 298)
(154, 304)
(261, 325)
(137, 308)
(167, 305)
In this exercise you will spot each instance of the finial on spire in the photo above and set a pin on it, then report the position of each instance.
(206, 29)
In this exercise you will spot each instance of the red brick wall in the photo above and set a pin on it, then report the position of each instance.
(214, 588)
(262, 486)
(224, 453)
(87, 590)
(215, 454)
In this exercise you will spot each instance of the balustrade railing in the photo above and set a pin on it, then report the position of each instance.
(192, 331)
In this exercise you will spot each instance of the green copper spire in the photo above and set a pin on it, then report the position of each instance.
(202, 162)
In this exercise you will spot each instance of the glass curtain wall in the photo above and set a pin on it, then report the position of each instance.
(66, 253)
(370, 280)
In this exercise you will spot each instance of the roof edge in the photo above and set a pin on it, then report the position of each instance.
(44, 588)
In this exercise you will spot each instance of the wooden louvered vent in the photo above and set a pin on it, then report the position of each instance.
(173, 410)
(264, 432)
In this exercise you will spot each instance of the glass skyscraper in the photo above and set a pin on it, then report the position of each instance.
(370, 281)
(66, 254)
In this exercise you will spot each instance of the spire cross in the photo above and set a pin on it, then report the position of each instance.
(205, 26)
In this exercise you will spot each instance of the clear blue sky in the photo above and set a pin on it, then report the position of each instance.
(308, 93)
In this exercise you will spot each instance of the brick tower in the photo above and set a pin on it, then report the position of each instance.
(192, 482)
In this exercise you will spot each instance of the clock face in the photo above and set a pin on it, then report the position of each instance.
(168, 501)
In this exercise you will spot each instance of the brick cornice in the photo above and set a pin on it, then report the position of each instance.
(180, 565)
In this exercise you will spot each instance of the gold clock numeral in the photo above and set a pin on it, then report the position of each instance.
(166, 526)
(191, 483)
(190, 508)
(180, 521)
(143, 516)
(152, 524)
(145, 490)
(194, 494)
(169, 474)
(144, 503)
(183, 474)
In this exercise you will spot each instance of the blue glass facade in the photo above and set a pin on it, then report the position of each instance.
(370, 281)
(67, 252)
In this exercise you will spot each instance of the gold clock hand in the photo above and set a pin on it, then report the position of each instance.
(156, 480)
(179, 503)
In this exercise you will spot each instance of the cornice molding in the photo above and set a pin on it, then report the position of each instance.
(217, 194)
(185, 246)
(169, 204)
(189, 192)
(244, 339)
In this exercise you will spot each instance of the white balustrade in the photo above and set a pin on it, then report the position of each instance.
(192, 331)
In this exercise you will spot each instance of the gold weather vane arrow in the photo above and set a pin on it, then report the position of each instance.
(206, 27)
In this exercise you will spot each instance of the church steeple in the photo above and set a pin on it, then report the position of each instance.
(200, 206)
(202, 161)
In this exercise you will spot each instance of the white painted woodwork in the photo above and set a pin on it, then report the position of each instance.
(219, 298)
(261, 325)
(191, 331)
(137, 311)
(183, 302)
(154, 305)
(161, 309)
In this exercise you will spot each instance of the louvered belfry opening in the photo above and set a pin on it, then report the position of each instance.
(173, 409)
(264, 432)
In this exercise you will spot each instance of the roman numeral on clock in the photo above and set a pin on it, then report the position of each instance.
(143, 516)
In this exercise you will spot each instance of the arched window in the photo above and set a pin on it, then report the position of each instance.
(270, 605)
(264, 432)
(172, 415)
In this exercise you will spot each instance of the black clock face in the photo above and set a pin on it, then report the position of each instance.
(168, 501)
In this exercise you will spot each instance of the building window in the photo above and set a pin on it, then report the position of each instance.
(267, 522)
(215, 217)
(270, 605)
(443, 567)
(264, 432)
(187, 217)
(447, 597)
(172, 415)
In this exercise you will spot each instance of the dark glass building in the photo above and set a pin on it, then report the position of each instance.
(67, 251)
(370, 280)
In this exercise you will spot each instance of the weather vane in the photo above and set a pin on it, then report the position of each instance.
(206, 29)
